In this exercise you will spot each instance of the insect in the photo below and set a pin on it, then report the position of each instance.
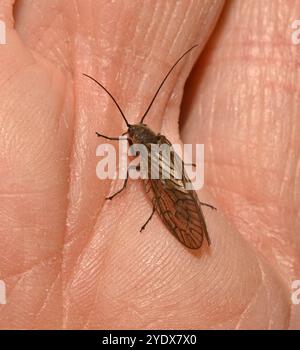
(178, 207)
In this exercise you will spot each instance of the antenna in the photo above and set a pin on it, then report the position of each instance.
(116, 103)
(162, 83)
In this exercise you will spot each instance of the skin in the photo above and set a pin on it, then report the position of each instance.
(69, 258)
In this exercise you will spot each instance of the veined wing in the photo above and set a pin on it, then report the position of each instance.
(178, 207)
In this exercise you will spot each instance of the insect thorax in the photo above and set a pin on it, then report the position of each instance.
(140, 133)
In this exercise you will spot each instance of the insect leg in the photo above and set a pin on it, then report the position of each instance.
(150, 217)
(111, 138)
(208, 205)
(123, 187)
(124, 184)
(190, 164)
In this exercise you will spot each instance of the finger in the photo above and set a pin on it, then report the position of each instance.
(130, 63)
(242, 96)
(35, 145)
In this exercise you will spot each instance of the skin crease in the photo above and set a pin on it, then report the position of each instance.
(69, 258)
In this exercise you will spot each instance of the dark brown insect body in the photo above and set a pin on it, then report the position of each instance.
(178, 207)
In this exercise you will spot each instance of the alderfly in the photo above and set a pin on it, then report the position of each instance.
(178, 207)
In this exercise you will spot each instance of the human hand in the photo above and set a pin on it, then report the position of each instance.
(69, 258)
